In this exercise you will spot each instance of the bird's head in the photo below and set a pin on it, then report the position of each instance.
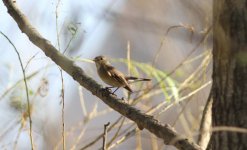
(100, 60)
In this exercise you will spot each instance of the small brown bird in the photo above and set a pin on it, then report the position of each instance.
(112, 76)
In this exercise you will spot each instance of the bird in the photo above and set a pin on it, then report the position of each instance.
(113, 77)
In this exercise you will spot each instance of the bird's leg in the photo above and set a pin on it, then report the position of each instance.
(115, 90)
(109, 89)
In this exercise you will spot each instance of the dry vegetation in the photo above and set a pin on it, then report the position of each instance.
(166, 92)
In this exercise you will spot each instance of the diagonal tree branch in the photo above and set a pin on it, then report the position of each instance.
(165, 132)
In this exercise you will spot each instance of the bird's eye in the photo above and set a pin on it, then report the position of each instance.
(101, 58)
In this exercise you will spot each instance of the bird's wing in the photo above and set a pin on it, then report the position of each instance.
(117, 75)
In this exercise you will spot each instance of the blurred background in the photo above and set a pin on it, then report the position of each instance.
(166, 40)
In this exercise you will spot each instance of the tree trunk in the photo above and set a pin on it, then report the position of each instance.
(229, 74)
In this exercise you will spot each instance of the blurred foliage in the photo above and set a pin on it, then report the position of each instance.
(166, 83)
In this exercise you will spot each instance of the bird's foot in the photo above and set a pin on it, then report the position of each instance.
(113, 94)
(108, 89)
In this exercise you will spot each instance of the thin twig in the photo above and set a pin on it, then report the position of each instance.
(70, 40)
(58, 39)
(206, 121)
(63, 102)
(105, 135)
(29, 61)
(101, 135)
(26, 87)
(117, 132)
(61, 73)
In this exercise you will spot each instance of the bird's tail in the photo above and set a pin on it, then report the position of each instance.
(127, 87)
(135, 79)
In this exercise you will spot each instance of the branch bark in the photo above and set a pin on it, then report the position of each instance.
(165, 132)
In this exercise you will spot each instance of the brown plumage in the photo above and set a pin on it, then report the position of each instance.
(112, 76)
